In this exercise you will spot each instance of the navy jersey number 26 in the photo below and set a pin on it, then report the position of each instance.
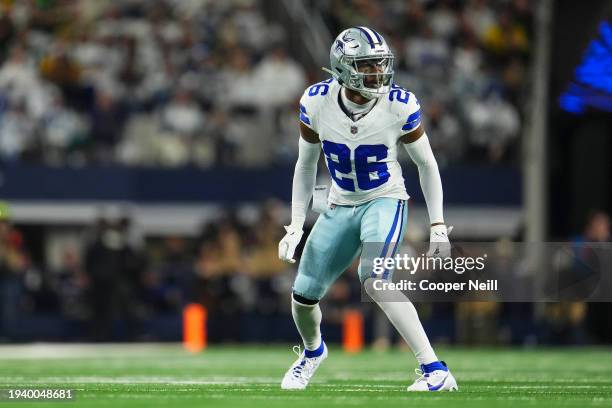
(338, 157)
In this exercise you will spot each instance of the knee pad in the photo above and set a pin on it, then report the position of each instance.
(305, 301)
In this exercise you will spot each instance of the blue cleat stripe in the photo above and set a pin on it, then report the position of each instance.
(436, 387)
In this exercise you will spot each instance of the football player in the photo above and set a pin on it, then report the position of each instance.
(360, 118)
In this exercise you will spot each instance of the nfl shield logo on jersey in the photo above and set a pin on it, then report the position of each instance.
(354, 129)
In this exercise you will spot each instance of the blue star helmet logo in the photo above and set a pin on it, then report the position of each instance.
(339, 46)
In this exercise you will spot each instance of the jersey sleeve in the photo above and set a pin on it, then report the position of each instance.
(307, 111)
(311, 102)
(410, 116)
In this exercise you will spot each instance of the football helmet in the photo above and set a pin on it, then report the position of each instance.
(361, 60)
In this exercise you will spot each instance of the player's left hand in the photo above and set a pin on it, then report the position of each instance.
(287, 245)
(439, 245)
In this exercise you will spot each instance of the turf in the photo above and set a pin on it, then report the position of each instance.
(165, 375)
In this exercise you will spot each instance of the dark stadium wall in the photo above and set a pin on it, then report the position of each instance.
(465, 185)
(591, 169)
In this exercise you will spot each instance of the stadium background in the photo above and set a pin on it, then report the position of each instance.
(147, 150)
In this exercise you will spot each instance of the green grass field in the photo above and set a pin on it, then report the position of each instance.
(148, 375)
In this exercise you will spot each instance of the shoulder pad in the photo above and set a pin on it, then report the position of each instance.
(406, 106)
(312, 100)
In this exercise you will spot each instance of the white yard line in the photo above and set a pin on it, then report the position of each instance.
(139, 380)
(83, 350)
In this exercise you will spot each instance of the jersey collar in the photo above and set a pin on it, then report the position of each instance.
(346, 111)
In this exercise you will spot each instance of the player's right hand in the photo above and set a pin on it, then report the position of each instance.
(287, 245)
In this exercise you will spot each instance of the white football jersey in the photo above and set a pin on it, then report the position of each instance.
(361, 156)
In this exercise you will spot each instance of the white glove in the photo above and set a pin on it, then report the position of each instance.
(287, 245)
(439, 246)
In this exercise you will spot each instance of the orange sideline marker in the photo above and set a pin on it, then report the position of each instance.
(352, 338)
(194, 327)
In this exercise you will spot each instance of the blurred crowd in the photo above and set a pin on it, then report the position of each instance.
(208, 83)
(164, 83)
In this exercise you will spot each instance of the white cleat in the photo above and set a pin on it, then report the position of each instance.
(437, 380)
(302, 370)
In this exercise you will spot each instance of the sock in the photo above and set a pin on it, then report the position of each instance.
(307, 319)
(404, 317)
(315, 353)
(406, 321)
(436, 365)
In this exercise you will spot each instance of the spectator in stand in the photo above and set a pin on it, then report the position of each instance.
(506, 38)
(182, 116)
(167, 287)
(478, 17)
(7, 32)
(262, 262)
(16, 133)
(59, 68)
(427, 53)
(218, 266)
(63, 134)
(446, 138)
(239, 81)
(444, 20)
(107, 119)
(113, 267)
(22, 85)
(72, 284)
(282, 78)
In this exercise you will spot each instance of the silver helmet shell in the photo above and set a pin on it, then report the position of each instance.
(362, 45)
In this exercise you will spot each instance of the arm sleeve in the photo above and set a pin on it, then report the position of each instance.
(304, 179)
(429, 176)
